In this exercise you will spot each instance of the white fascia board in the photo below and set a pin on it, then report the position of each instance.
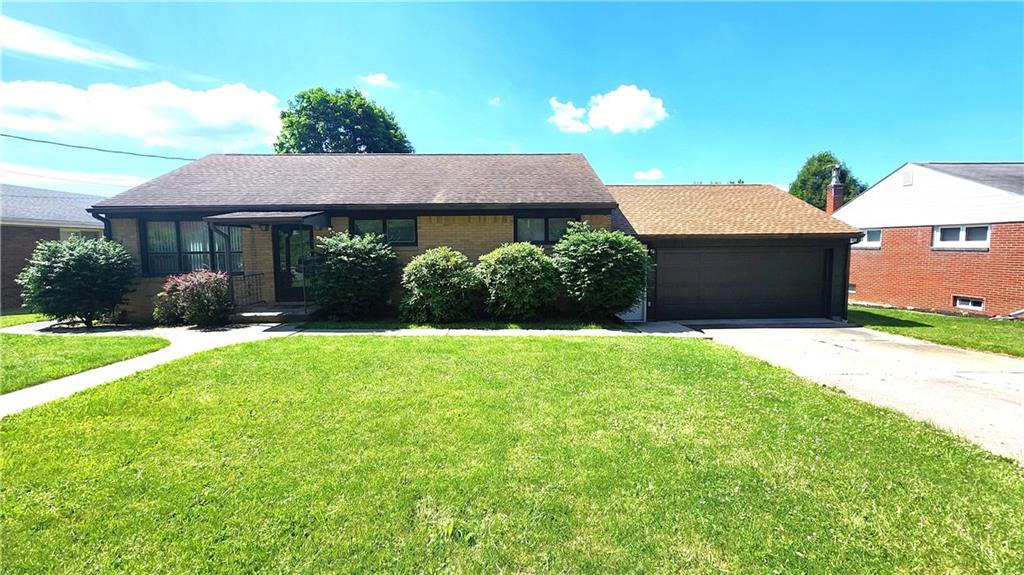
(933, 199)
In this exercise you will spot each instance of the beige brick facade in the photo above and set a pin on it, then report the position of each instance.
(473, 235)
(598, 221)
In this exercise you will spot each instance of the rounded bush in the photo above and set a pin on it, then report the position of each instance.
(604, 272)
(441, 286)
(201, 298)
(78, 278)
(521, 281)
(354, 275)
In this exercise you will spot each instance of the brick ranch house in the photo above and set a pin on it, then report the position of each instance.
(940, 236)
(28, 215)
(721, 251)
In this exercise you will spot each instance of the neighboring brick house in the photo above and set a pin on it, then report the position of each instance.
(28, 215)
(941, 236)
(258, 216)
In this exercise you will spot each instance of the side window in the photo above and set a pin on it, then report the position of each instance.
(530, 230)
(162, 248)
(401, 231)
(362, 227)
(962, 237)
(872, 239)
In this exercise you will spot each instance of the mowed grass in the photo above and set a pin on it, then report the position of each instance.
(487, 455)
(968, 332)
(14, 317)
(30, 359)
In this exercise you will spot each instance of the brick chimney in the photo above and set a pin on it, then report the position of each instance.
(836, 192)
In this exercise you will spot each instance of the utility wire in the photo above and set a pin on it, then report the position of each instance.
(42, 177)
(96, 149)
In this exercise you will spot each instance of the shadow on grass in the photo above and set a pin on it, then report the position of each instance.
(872, 319)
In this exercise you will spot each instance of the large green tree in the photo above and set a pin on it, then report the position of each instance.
(342, 121)
(812, 181)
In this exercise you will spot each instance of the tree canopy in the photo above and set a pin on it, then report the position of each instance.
(812, 181)
(342, 121)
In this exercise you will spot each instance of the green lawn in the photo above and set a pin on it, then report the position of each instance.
(18, 316)
(969, 332)
(392, 324)
(31, 359)
(488, 455)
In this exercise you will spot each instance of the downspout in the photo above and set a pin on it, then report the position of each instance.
(106, 224)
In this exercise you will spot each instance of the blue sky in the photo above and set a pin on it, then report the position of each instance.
(695, 92)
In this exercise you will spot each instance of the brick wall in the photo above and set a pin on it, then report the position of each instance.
(471, 235)
(16, 245)
(907, 272)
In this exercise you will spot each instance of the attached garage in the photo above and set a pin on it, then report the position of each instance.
(737, 252)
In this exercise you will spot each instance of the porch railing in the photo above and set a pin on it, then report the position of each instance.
(248, 289)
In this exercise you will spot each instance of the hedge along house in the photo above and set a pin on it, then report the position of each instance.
(737, 251)
(257, 216)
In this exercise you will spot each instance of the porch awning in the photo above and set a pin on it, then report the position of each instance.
(316, 219)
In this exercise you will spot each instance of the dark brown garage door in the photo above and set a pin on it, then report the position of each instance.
(730, 283)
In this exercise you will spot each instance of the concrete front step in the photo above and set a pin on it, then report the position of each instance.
(272, 314)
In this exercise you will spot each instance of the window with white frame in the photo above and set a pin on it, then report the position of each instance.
(961, 237)
(872, 239)
(971, 303)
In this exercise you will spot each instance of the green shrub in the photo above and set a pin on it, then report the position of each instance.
(83, 279)
(521, 281)
(354, 275)
(441, 286)
(603, 272)
(201, 298)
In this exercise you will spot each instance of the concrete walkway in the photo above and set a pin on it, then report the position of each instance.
(187, 341)
(977, 395)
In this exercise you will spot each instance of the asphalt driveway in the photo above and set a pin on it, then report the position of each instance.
(979, 396)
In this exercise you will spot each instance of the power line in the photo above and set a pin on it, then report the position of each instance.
(41, 177)
(96, 149)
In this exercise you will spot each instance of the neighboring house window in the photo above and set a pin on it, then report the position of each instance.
(971, 303)
(175, 247)
(541, 230)
(961, 237)
(871, 239)
(397, 231)
(852, 288)
(87, 234)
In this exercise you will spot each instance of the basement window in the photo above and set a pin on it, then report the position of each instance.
(961, 237)
(852, 288)
(970, 303)
(872, 239)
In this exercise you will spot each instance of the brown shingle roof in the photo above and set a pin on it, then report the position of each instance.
(289, 181)
(718, 210)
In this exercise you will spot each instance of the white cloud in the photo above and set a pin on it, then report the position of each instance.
(624, 109)
(568, 117)
(25, 38)
(378, 79)
(231, 117)
(495, 101)
(19, 174)
(651, 174)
